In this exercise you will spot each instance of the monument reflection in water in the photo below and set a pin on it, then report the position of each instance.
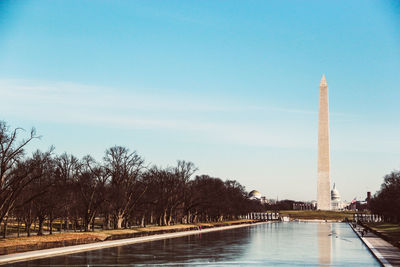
(273, 244)
(324, 243)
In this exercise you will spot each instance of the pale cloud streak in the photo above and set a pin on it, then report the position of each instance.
(72, 103)
(74, 94)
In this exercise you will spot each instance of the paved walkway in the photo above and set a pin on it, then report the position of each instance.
(45, 253)
(386, 253)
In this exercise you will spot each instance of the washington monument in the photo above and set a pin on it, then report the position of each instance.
(324, 179)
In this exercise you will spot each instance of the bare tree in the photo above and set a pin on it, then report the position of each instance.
(89, 190)
(162, 189)
(386, 201)
(168, 191)
(43, 187)
(12, 181)
(67, 169)
(124, 169)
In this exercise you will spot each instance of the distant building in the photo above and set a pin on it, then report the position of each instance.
(368, 199)
(255, 195)
(309, 205)
(359, 205)
(314, 204)
(336, 200)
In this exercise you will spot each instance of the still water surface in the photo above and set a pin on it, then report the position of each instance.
(273, 244)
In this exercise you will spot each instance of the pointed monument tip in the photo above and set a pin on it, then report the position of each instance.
(323, 80)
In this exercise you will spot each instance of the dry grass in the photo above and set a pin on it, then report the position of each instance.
(318, 215)
(16, 241)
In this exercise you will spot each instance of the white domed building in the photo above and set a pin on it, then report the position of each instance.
(336, 200)
(255, 195)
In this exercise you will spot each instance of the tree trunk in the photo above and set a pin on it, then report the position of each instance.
(19, 224)
(120, 219)
(93, 223)
(51, 226)
(28, 228)
(142, 221)
(87, 223)
(107, 222)
(165, 217)
(66, 224)
(5, 227)
(40, 228)
(170, 217)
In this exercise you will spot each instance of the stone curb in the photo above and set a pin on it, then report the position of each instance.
(384, 237)
(373, 250)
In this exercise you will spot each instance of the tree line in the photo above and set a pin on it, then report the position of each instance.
(118, 192)
(386, 201)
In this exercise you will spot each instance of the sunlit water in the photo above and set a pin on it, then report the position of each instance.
(274, 244)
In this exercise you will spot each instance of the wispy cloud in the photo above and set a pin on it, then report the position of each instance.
(73, 94)
(92, 105)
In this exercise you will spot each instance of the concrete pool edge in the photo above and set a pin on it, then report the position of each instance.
(53, 252)
(381, 259)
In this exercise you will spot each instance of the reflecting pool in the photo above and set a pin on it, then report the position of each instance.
(272, 244)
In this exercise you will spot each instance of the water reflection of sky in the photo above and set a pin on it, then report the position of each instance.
(275, 244)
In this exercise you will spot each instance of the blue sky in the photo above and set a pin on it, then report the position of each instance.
(229, 85)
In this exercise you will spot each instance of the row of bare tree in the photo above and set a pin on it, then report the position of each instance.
(386, 202)
(121, 191)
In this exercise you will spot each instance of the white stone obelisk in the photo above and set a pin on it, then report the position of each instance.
(324, 179)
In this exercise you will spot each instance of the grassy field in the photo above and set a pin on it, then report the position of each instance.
(318, 215)
(12, 227)
(389, 231)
